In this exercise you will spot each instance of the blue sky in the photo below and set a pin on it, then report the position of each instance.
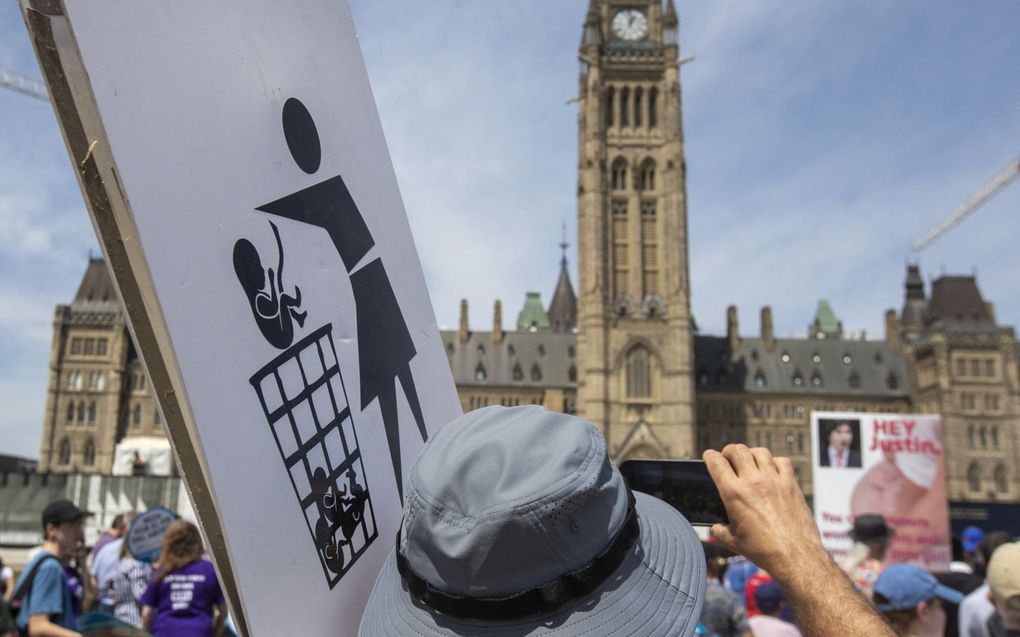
(823, 138)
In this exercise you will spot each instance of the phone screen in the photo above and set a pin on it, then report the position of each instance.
(684, 484)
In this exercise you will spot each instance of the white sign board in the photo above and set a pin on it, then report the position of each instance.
(887, 464)
(144, 537)
(239, 180)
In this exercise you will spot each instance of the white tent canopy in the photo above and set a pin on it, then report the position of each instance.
(146, 455)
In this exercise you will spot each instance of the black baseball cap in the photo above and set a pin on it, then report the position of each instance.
(62, 511)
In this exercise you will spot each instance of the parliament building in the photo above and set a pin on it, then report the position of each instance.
(624, 350)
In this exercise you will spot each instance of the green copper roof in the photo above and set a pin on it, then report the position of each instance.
(533, 314)
(825, 318)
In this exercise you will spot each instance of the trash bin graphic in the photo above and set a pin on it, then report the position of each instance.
(305, 403)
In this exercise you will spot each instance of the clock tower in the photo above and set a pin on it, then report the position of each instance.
(634, 319)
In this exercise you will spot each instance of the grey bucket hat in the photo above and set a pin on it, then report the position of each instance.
(517, 523)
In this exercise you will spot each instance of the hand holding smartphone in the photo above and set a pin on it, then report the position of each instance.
(684, 484)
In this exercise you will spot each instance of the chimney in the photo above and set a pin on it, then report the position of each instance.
(732, 331)
(768, 337)
(462, 333)
(497, 322)
(892, 331)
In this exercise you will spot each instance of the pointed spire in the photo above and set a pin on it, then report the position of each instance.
(669, 25)
(563, 307)
(670, 18)
(592, 35)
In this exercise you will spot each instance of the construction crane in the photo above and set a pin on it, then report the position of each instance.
(22, 84)
(1002, 179)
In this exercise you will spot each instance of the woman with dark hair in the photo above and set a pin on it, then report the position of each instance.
(183, 591)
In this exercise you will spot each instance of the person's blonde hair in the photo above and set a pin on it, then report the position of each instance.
(182, 545)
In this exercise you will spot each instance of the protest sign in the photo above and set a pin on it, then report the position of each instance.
(889, 464)
(144, 537)
(238, 180)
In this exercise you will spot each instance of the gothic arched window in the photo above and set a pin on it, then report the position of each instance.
(983, 434)
(1001, 479)
(81, 411)
(536, 373)
(653, 115)
(639, 381)
(624, 107)
(64, 454)
(70, 411)
(136, 415)
(646, 180)
(572, 374)
(89, 455)
(618, 178)
(480, 374)
(974, 477)
(995, 436)
(518, 373)
(610, 97)
(638, 95)
(92, 411)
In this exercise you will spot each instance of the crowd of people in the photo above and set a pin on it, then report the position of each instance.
(65, 583)
(744, 601)
(502, 536)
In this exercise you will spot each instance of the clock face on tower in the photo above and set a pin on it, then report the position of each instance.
(630, 24)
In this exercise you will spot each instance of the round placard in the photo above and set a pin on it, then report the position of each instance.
(145, 535)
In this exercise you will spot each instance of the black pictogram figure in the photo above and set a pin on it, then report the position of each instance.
(304, 400)
(385, 347)
(273, 309)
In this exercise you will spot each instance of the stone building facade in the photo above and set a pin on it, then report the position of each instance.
(623, 351)
(98, 394)
(634, 318)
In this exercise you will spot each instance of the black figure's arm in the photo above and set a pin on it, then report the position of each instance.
(328, 205)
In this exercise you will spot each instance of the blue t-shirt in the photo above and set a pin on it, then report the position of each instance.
(49, 594)
(184, 601)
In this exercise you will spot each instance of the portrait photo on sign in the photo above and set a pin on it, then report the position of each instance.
(839, 443)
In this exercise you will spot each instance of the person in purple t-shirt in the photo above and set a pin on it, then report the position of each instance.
(183, 592)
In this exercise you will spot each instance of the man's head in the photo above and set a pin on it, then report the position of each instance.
(62, 528)
(1004, 583)
(840, 435)
(971, 539)
(871, 530)
(516, 519)
(911, 599)
(988, 544)
(715, 559)
(769, 598)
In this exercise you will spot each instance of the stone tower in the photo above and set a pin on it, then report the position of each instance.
(98, 394)
(634, 317)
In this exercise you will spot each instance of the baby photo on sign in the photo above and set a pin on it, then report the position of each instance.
(839, 443)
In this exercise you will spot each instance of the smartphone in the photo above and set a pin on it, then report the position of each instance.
(684, 484)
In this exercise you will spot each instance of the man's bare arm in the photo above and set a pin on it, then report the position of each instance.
(771, 525)
(41, 626)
